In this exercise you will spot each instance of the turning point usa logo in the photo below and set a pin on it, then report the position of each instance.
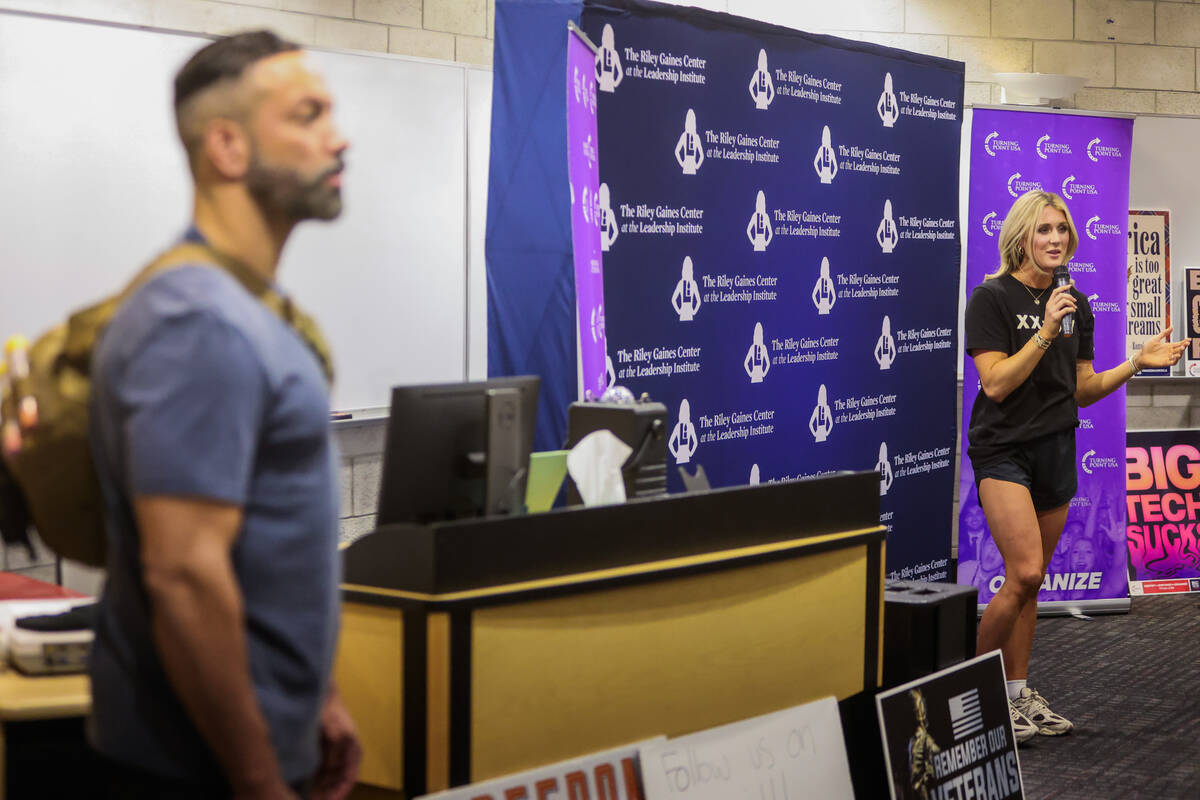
(1046, 148)
(1072, 189)
(992, 143)
(1103, 306)
(1095, 228)
(992, 222)
(1018, 187)
(1097, 151)
(1091, 462)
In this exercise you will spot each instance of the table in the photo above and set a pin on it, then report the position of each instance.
(25, 698)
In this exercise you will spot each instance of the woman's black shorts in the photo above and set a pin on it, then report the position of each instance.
(1045, 466)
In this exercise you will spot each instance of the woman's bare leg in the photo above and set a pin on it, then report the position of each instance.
(1008, 621)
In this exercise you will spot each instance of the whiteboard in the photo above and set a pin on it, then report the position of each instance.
(479, 140)
(95, 183)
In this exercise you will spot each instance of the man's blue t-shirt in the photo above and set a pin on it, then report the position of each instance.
(199, 391)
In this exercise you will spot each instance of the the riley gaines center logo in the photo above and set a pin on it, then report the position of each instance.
(1018, 186)
(1072, 188)
(992, 144)
(1096, 150)
(992, 222)
(1046, 148)
(1095, 228)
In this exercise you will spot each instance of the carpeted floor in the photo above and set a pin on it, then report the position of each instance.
(1131, 684)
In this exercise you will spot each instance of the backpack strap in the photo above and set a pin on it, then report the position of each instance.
(193, 253)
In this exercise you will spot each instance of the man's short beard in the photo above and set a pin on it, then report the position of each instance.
(285, 192)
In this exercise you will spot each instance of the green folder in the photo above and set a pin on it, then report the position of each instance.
(546, 473)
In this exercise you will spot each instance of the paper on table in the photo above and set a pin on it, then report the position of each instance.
(595, 466)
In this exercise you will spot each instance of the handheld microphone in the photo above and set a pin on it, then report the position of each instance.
(1062, 277)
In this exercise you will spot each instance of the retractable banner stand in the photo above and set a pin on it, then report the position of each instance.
(779, 214)
(1085, 160)
(585, 214)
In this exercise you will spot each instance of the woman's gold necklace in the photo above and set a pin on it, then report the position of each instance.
(1037, 298)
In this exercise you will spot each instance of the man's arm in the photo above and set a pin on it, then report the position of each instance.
(341, 751)
(197, 621)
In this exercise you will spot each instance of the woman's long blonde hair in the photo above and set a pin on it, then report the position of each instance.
(1016, 234)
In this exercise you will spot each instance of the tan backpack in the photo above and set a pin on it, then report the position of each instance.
(53, 472)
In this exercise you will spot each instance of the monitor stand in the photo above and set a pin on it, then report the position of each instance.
(505, 470)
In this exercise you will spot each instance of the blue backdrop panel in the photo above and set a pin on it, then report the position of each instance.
(782, 260)
(530, 272)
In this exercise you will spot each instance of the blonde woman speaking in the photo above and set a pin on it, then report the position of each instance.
(1033, 348)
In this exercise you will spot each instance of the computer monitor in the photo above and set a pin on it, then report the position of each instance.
(458, 450)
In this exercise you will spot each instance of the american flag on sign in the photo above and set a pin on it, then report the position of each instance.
(965, 714)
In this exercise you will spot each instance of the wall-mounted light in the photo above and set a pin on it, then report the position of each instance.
(1036, 88)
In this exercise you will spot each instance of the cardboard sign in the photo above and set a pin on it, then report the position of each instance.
(948, 736)
(1191, 313)
(1148, 294)
(608, 775)
(794, 754)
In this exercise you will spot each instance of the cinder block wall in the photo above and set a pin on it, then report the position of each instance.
(451, 30)
(1139, 56)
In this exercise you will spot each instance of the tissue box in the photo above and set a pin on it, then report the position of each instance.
(642, 426)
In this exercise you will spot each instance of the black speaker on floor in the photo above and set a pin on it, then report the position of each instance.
(926, 627)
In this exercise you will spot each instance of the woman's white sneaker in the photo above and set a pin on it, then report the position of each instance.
(1035, 708)
(1023, 727)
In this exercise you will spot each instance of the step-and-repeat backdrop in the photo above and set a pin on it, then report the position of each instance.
(781, 254)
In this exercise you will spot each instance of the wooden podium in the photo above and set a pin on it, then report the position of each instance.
(476, 648)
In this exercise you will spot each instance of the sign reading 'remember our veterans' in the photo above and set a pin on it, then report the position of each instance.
(948, 736)
(1148, 294)
(783, 268)
(1085, 160)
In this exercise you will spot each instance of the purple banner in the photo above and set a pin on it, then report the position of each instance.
(587, 214)
(1085, 160)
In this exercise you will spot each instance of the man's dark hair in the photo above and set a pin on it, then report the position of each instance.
(226, 58)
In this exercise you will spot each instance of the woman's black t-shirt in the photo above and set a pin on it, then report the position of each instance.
(1002, 316)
